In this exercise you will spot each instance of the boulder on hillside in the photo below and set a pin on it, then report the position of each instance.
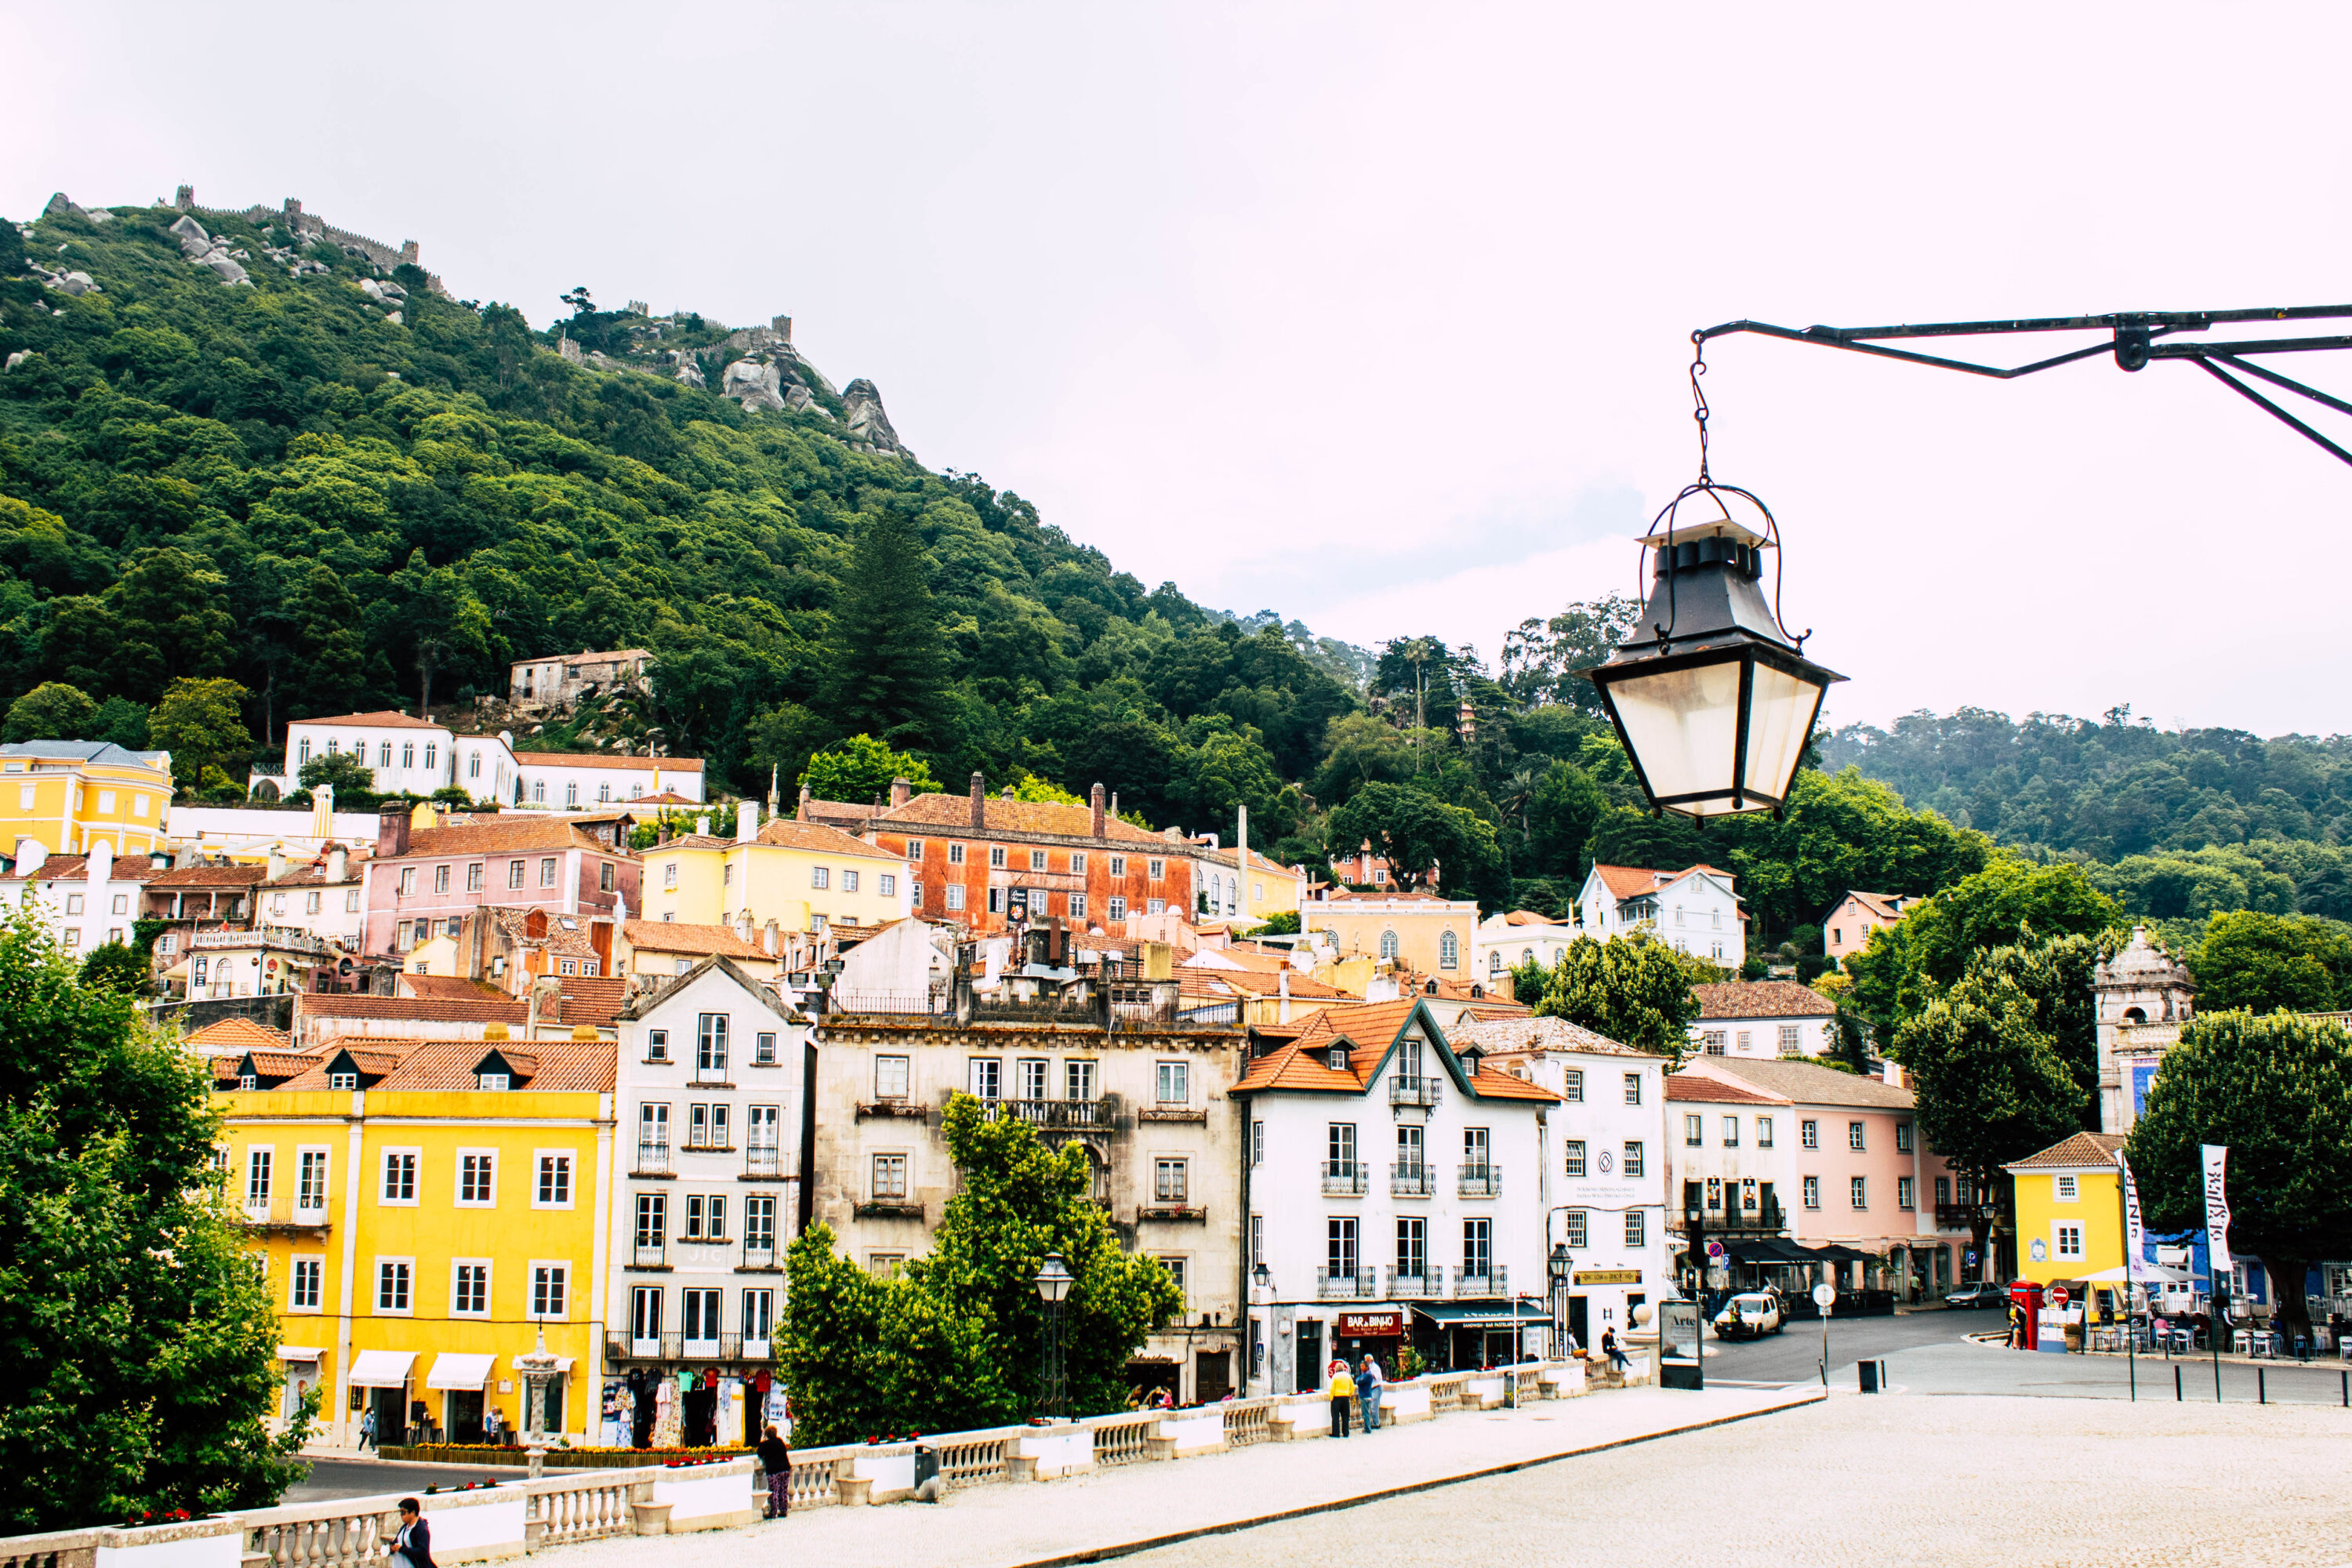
(861, 406)
(754, 385)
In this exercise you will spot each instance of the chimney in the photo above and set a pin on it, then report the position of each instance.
(746, 821)
(391, 833)
(702, 826)
(339, 862)
(1114, 803)
(978, 801)
(1284, 977)
(805, 800)
(768, 939)
(1096, 800)
(534, 924)
(1241, 864)
(276, 862)
(100, 866)
(600, 937)
(31, 856)
(901, 790)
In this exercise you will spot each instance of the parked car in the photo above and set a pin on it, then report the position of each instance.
(1749, 1316)
(1984, 1295)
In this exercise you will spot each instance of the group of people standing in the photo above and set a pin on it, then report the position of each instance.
(1358, 1389)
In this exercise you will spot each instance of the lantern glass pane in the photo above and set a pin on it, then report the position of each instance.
(1683, 725)
(1781, 716)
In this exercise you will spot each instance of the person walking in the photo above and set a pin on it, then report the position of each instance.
(1343, 1393)
(776, 1458)
(367, 1430)
(412, 1547)
(1368, 1393)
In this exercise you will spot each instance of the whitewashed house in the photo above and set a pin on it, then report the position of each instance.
(1605, 1192)
(1769, 1018)
(84, 901)
(1695, 909)
(711, 1132)
(411, 756)
(1394, 1191)
(320, 898)
(1505, 941)
(406, 756)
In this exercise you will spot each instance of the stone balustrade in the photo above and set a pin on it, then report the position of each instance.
(523, 1516)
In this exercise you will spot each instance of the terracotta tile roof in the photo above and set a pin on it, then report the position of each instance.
(1697, 1086)
(1761, 999)
(237, 1035)
(598, 760)
(211, 877)
(594, 998)
(2091, 1149)
(1304, 1064)
(1494, 1033)
(1879, 904)
(951, 814)
(502, 833)
(585, 655)
(1297, 1066)
(670, 936)
(315, 873)
(59, 869)
(817, 838)
(1807, 1083)
(382, 719)
(1493, 1084)
(410, 1009)
(450, 987)
(1258, 982)
(1385, 896)
(556, 1067)
(1363, 1023)
(280, 1066)
(1225, 857)
(836, 812)
(666, 797)
(1529, 918)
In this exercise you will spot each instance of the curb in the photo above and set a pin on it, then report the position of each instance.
(1308, 1510)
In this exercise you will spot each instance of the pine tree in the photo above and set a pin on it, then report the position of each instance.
(884, 656)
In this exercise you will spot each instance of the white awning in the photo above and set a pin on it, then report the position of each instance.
(381, 1369)
(299, 1352)
(562, 1364)
(451, 1370)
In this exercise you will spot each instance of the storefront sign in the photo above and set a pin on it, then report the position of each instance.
(1608, 1276)
(1370, 1325)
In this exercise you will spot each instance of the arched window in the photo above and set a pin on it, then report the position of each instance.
(1495, 961)
(1449, 951)
(2135, 1015)
(1527, 955)
(1387, 945)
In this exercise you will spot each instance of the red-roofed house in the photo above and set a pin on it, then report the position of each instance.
(1847, 927)
(1394, 1190)
(1695, 909)
(423, 881)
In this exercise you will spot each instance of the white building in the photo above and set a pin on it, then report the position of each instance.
(578, 781)
(1605, 1191)
(711, 1131)
(84, 901)
(410, 756)
(407, 757)
(1395, 1193)
(1505, 941)
(1767, 1018)
(321, 899)
(1695, 909)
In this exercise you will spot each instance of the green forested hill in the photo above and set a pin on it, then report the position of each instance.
(276, 484)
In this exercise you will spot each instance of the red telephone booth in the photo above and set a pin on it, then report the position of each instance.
(2026, 1295)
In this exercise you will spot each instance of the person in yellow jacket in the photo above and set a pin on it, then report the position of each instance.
(1343, 1397)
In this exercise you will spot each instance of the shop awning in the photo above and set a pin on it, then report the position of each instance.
(299, 1352)
(381, 1369)
(1834, 1252)
(1770, 1249)
(456, 1371)
(1483, 1314)
(562, 1364)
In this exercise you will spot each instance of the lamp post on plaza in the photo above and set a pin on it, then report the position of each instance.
(1054, 1282)
(1260, 1298)
(1556, 1270)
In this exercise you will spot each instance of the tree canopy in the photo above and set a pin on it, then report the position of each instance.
(1634, 990)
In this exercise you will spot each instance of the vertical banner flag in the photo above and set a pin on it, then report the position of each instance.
(2217, 1211)
(2135, 1266)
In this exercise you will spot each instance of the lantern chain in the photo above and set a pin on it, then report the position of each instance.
(1698, 399)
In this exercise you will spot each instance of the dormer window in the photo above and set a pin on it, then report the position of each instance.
(492, 1081)
(1338, 1059)
(343, 1080)
(248, 1083)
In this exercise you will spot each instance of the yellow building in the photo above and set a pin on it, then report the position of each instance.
(1248, 897)
(2070, 1221)
(427, 1209)
(802, 876)
(1420, 931)
(67, 794)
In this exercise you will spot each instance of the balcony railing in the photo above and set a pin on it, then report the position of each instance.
(1412, 1091)
(1957, 1216)
(761, 1159)
(759, 1254)
(1343, 1179)
(1495, 1281)
(653, 1159)
(622, 1345)
(1412, 1180)
(1424, 1284)
(1347, 1286)
(1771, 1218)
(1482, 1181)
(1052, 1115)
(648, 1254)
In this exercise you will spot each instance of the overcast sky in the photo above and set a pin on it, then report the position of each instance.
(1378, 316)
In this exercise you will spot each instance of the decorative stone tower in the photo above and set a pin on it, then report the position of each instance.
(2140, 998)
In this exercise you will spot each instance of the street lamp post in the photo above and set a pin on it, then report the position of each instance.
(1261, 1349)
(1054, 1281)
(1556, 1276)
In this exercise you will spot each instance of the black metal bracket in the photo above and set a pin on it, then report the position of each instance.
(2134, 343)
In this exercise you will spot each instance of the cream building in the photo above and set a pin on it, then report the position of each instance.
(802, 876)
(1425, 934)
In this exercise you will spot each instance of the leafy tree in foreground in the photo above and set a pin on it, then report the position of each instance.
(352, 780)
(2264, 962)
(198, 722)
(956, 1341)
(2278, 1092)
(861, 767)
(1992, 1087)
(137, 1339)
(50, 711)
(1635, 990)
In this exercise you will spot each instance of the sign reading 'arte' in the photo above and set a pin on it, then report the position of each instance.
(1370, 1325)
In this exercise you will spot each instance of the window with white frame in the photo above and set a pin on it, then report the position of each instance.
(257, 1163)
(550, 1285)
(1575, 1160)
(1713, 1040)
(553, 1188)
(820, 876)
(2068, 1237)
(1637, 1228)
(1117, 908)
(1119, 865)
(1572, 1085)
(1862, 1191)
(1175, 1080)
(2070, 1189)
(476, 1179)
(890, 1077)
(848, 880)
(1632, 1164)
(955, 895)
(306, 1284)
(887, 884)
(1731, 1133)
(1764, 1132)
(1903, 1193)
(1853, 1134)
(914, 849)
(393, 1278)
(1573, 1228)
(1176, 1269)
(400, 1175)
(547, 872)
(1694, 1131)
(1809, 1133)
(955, 854)
(469, 1288)
(1170, 1180)
(996, 855)
(889, 1178)
(1903, 1137)
(310, 1179)
(1632, 1088)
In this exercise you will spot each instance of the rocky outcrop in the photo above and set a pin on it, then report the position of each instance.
(754, 383)
(213, 255)
(62, 205)
(686, 370)
(869, 428)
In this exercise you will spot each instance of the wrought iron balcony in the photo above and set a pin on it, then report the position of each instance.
(1052, 1115)
(1343, 1179)
(1426, 1284)
(1482, 1181)
(759, 1254)
(620, 1344)
(649, 1254)
(1412, 1091)
(764, 1159)
(1495, 1281)
(1361, 1284)
(653, 1159)
(1957, 1216)
(1412, 1181)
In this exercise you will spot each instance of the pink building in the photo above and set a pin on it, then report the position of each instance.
(425, 881)
(1845, 1159)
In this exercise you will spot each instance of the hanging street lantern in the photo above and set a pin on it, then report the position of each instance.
(1714, 701)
